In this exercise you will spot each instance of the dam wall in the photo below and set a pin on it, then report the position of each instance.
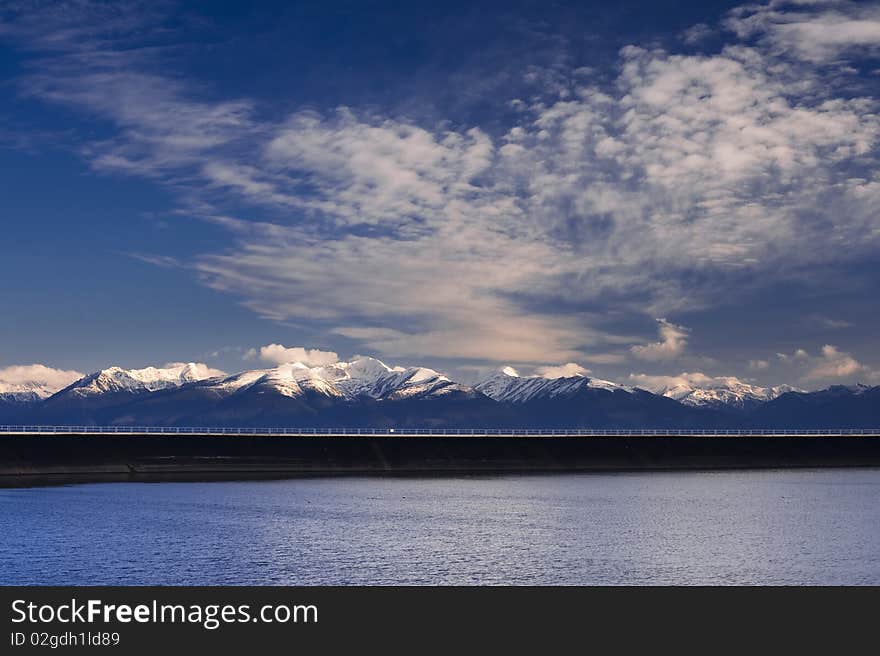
(132, 456)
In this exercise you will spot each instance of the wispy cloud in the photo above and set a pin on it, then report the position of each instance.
(816, 30)
(277, 354)
(673, 340)
(111, 60)
(830, 323)
(163, 261)
(696, 34)
(683, 180)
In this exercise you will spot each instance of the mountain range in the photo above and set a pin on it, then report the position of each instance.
(365, 392)
(729, 393)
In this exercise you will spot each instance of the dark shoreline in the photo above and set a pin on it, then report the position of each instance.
(27, 460)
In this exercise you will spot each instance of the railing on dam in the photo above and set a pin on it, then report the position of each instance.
(409, 432)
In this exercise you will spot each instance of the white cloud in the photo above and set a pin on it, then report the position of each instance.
(834, 363)
(697, 34)
(673, 340)
(831, 324)
(685, 381)
(20, 377)
(758, 365)
(696, 163)
(200, 369)
(278, 354)
(831, 365)
(799, 354)
(817, 31)
(163, 261)
(605, 358)
(684, 180)
(656, 383)
(498, 333)
(102, 58)
(562, 371)
(379, 171)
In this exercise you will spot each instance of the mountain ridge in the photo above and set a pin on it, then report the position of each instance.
(368, 393)
(730, 394)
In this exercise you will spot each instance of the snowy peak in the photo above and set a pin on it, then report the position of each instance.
(295, 380)
(500, 384)
(24, 393)
(27, 384)
(366, 369)
(509, 387)
(372, 379)
(365, 379)
(416, 382)
(359, 379)
(725, 393)
(150, 379)
(855, 390)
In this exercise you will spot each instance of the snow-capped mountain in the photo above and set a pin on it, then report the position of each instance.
(509, 387)
(362, 392)
(24, 393)
(150, 379)
(855, 390)
(290, 380)
(365, 392)
(28, 384)
(368, 377)
(361, 378)
(834, 407)
(727, 392)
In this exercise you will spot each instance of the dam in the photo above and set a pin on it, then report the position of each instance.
(32, 454)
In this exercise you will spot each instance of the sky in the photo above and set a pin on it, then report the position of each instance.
(650, 192)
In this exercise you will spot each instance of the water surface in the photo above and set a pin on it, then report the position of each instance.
(734, 527)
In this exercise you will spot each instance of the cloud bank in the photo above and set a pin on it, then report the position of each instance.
(674, 183)
(277, 354)
(18, 377)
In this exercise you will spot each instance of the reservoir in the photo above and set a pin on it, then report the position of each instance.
(771, 526)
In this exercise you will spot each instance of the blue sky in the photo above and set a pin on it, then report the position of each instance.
(651, 191)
